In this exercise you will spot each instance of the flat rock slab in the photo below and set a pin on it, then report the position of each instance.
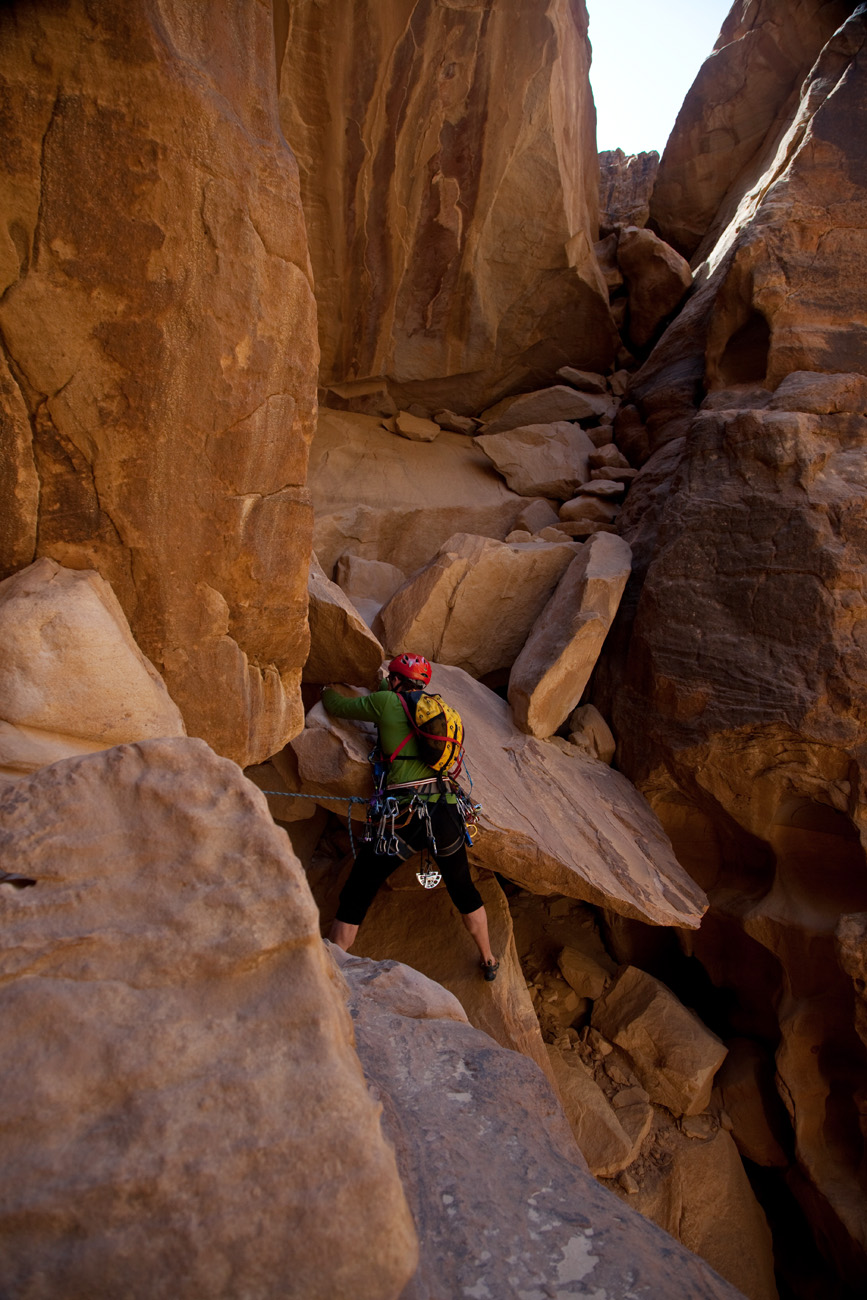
(545, 406)
(386, 498)
(184, 1112)
(492, 1171)
(559, 824)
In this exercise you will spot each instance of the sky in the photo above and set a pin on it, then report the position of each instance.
(646, 54)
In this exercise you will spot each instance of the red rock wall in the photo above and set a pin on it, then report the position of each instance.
(158, 331)
(448, 168)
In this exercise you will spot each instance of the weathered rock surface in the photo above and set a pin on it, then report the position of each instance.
(549, 676)
(384, 498)
(742, 94)
(154, 1048)
(72, 679)
(451, 227)
(657, 278)
(475, 604)
(626, 182)
(159, 354)
(544, 460)
(342, 646)
(474, 1127)
(546, 406)
(674, 1055)
(696, 1188)
(746, 1085)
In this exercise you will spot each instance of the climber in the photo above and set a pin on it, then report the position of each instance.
(425, 805)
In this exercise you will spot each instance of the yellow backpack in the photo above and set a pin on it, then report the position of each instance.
(438, 729)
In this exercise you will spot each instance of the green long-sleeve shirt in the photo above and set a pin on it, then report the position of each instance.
(384, 708)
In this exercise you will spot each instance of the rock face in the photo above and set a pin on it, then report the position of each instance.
(626, 182)
(740, 710)
(474, 1126)
(154, 1044)
(741, 96)
(158, 368)
(451, 225)
(72, 680)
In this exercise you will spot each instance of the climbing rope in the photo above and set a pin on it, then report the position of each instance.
(322, 798)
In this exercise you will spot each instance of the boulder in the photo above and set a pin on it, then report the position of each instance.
(365, 397)
(602, 487)
(456, 423)
(451, 237)
(851, 939)
(385, 498)
(536, 516)
(330, 758)
(159, 334)
(591, 733)
(369, 584)
(604, 1144)
(674, 1055)
(549, 676)
(552, 823)
(583, 380)
(415, 428)
(342, 646)
(474, 605)
(657, 278)
(72, 679)
(584, 972)
(477, 1127)
(608, 456)
(588, 508)
(546, 406)
(154, 1047)
(546, 460)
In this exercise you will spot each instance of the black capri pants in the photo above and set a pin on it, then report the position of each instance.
(371, 869)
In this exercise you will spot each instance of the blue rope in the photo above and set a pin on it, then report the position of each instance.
(336, 798)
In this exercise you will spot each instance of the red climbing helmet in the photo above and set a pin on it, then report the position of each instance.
(414, 667)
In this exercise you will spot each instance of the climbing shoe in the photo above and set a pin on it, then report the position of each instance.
(489, 970)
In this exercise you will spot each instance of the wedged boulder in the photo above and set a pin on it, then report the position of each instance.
(547, 406)
(72, 679)
(554, 823)
(625, 186)
(657, 278)
(584, 972)
(330, 758)
(604, 1144)
(588, 509)
(367, 583)
(475, 1126)
(584, 380)
(474, 605)
(536, 516)
(384, 498)
(342, 646)
(591, 733)
(549, 676)
(674, 1055)
(544, 460)
(363, 396)
(154, 1047)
